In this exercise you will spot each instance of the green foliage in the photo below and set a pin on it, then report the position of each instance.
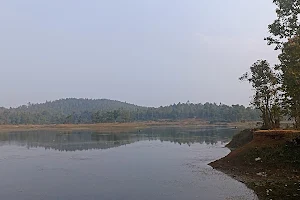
(61, 111)
(71, 105)
(74, 111)
(285, 34)
(266, 98)
(207, 111)
(290, 67)
(287, 23)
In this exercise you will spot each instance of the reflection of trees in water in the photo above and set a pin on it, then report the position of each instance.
(190, 136)
(88, 140)
(66, 141)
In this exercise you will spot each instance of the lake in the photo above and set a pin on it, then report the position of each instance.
(155, 163)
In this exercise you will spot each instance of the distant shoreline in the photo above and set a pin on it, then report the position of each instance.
(121, 127)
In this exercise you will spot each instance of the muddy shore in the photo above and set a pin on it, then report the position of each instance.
(268, 163)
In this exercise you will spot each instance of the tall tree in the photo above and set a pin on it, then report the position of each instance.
(266, 98)
(290, 67)
(285, 32)
(287, 24)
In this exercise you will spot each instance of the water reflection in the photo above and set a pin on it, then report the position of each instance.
(79, 141)
(161, 166)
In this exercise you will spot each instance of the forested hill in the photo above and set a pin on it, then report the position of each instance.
(74, 111)
(72, 105)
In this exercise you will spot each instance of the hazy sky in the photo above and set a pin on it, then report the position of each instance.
(147, 52)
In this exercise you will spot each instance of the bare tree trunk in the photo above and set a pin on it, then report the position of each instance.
(297, 122)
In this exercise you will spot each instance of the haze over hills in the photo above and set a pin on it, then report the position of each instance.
(73, 105)
(86, 111)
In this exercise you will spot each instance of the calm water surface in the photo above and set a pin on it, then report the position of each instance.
(156, 164)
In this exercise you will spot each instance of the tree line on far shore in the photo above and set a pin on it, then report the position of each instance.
(86, 111)
(277, 88)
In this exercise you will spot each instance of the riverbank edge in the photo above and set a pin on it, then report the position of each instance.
(121, 127)
(268, 163)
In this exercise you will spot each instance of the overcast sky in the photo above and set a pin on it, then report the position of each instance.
(146, 52)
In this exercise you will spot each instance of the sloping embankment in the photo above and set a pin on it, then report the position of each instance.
(269, 163)
(239, 140)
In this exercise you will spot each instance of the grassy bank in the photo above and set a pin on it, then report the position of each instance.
(108, 127)
(269, 163)
(121, 127)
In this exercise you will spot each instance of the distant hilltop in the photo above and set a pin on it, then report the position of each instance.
(88, 111)
(70, 105)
